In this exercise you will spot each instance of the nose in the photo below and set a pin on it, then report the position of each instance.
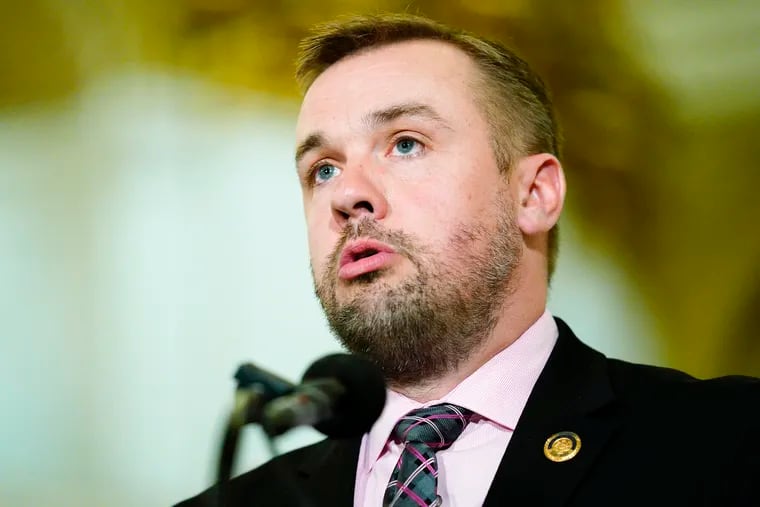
(358, 195)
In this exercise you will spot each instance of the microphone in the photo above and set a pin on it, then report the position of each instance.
(341, 395)
(267, 384)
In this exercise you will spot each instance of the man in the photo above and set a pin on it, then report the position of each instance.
(432, 190)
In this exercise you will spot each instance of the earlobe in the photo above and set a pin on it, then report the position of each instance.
(541, 187)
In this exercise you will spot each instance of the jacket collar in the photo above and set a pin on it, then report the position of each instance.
(570, 396)
(329, 472)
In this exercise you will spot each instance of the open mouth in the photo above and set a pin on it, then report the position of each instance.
(355, 256)
(364, 256)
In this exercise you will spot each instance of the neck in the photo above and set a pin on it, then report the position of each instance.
(516, 316)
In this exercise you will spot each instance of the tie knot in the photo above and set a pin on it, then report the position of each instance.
(437, 426)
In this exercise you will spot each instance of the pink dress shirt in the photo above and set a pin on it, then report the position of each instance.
(498, 391)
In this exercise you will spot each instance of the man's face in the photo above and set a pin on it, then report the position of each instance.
(410, 221)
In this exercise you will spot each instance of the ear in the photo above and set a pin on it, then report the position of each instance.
(540, 185)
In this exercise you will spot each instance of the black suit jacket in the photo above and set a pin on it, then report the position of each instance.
(649, 436)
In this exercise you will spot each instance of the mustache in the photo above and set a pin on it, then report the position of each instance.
(404, 243)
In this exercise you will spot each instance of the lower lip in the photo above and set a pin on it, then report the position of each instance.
(365, 265)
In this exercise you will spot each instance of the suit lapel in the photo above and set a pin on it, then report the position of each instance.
(329, 473)
(572, 394)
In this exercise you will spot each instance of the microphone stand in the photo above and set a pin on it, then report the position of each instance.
(245, 400)
(254, 389)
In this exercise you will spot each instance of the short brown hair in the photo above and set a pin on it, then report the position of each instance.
(515, 100)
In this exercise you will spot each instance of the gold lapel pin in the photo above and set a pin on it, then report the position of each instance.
(562, 446)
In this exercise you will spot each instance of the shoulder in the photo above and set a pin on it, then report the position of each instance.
(648, 385)
(673, 402)
(271, 483)
(661, 428)
(631, 380)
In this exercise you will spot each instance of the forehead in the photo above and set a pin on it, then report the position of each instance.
(419, 71)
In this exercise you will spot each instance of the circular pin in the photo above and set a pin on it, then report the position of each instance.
(562, 446)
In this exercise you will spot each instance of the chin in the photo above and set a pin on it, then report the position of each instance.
(383, 277)
(370, 288)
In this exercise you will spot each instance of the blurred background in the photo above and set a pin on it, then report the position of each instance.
(151, 234)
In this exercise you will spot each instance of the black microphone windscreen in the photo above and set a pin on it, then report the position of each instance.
(359, 407)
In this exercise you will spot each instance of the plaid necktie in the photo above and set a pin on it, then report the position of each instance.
(423, 431)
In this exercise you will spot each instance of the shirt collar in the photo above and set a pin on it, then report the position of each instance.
(497, 391)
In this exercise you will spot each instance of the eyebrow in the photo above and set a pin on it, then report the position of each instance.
(374, 120)
(383, 116)
(314, 141)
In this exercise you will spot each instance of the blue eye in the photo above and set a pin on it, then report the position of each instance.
(406, 145)
(325, 172)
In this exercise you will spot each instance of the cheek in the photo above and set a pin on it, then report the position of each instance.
(440, 215)
(442, 200)
(321, 239)
(430, 213)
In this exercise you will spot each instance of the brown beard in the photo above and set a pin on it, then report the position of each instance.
(427, 324)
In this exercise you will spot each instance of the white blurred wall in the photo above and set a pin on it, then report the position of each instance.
(151, 240)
